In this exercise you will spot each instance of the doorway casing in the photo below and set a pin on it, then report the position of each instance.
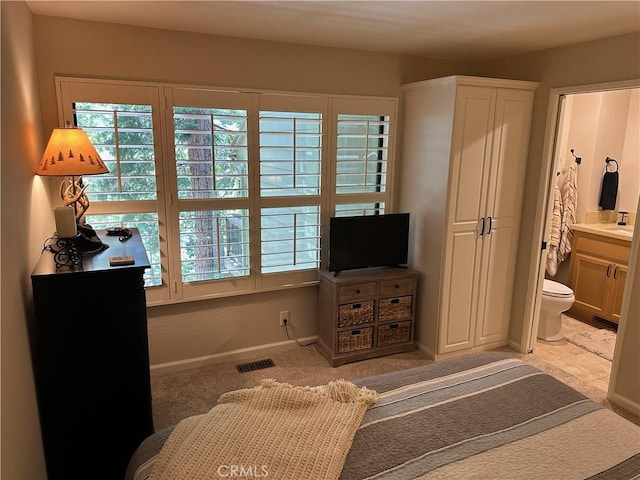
(537, 259)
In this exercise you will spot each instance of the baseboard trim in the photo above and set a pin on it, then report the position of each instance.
(517, 346)
(430, 354)
(465, 351)
(242, 354)
(625, 403)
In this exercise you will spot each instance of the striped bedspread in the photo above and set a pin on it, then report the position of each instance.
(484, 416)
(488, 416)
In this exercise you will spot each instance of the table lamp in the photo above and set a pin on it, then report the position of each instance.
(71, 154)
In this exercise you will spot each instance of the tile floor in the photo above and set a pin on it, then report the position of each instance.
(580, 363)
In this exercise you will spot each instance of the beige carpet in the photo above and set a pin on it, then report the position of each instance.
(192, 392)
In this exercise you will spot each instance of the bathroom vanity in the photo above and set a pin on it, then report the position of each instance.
(599, 259)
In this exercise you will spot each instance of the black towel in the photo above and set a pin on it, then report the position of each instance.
(609, 191)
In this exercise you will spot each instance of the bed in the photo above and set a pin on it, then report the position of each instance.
(484, 416)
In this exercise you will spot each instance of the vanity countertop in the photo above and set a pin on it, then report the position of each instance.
(611, 230)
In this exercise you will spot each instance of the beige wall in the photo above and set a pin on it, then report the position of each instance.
(27, 221)
(600, 125)
(204, 328)
(208, 328)
(136, 53)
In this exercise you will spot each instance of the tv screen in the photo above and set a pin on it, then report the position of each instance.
(368, 241)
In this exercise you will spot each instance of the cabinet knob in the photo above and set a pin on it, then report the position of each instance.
(397, 286)
(357, 291)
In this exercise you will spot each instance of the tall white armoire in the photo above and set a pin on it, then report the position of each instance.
(464, 154)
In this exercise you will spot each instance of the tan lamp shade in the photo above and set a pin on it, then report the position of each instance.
(70, 153)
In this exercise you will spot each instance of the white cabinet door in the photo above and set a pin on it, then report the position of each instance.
(504, 201)
(471, 155)
(488, 163)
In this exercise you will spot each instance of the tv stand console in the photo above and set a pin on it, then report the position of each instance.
(366, 313)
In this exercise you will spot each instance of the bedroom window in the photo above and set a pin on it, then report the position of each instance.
(232, 191)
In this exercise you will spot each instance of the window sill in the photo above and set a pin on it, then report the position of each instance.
(233, 294)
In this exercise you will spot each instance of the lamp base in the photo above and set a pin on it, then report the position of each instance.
(65, 252)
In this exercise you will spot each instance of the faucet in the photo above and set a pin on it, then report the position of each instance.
(622, 218)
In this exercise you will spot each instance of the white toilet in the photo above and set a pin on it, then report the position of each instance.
(556, 298)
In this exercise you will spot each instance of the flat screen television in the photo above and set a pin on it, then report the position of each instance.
(368, 241)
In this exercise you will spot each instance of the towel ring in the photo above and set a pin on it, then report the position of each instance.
(609, 160)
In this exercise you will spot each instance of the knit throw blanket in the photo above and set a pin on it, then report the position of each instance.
(274, 430)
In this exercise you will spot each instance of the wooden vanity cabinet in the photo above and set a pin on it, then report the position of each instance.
(598, 274)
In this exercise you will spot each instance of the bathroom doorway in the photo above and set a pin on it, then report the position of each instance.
(561, 139)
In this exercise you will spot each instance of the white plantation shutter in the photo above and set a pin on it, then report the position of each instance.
(214, 244)
(362, 152)
(232, 191)
(362, 175)
(210, 160)
(211, 152)
(292, 157)
(123, 123)
(290, 238)
(290, 153)
(359, 209)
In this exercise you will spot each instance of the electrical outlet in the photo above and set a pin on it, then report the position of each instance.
(284, 316)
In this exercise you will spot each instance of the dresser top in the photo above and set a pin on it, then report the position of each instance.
(367, 274)
(99, 262)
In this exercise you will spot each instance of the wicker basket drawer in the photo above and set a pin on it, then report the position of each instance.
(401, 286)
(393, 333)
(398, 308)
(355, 313)
(353, 340)
(352, 293)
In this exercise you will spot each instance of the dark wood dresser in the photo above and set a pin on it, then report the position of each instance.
(91, 361)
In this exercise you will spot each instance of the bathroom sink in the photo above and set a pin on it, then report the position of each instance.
(624, 231)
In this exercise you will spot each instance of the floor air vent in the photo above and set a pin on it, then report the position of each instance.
(257, 365)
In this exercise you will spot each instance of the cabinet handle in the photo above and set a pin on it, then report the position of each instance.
(482, 229)
(490, 222)
(395, 300)
(615, 273)
(608, 270)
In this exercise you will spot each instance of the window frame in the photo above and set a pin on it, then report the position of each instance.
(162, 97)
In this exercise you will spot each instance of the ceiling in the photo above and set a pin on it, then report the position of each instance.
(465, 30)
